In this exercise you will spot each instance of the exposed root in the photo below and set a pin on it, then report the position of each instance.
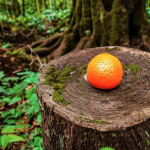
(145, 43)
(45, 50)
(37, 43)
(81, 44)
(66, 46)
(90, 42)
(51, 40)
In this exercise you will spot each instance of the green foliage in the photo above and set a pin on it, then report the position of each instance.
(10, 138)
(148, 14)
(19, 91)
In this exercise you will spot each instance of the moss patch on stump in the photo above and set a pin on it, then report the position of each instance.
(58, 79)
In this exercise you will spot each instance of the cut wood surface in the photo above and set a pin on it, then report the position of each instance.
(95, 118)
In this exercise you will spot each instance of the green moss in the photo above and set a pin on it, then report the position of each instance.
(63, 76)
(99, 122)
(62, 79)
(66, 71)
(93, 134)
(117, 48)
(58, 86)
(57, 97)
(57, 79)
(66, 63)
(46, 82)
(51, 69)
(111, 49)
(56, 73)
(113, 134)
(80, 118)
(79, 113)
(82, 68)
(65, 103)
(91, 121)
(134, 69)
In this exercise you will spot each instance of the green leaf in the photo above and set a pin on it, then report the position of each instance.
(36, 78)
(147, 134)
(11, 91)
(0, 141)
(6, 99)
(3, 90)
(38, 117)
(10, 116)
(38, 148)
(35, 132)
(36, 107)
(31, 110)
(23, 105)
(1, 74)
(24, 73)
(4, 141)
(33, 99)
(30, 79)
(11, 121)
(29, 92)
(37, 141)
(6, 113)
(19, 113)
(5, 45)
(25, 135)
(20, 87)
(8, 129)
(14, 138)
(15, 128)
(6, 79)
(14, 100)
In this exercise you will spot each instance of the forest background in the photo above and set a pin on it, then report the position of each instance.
(24, 24)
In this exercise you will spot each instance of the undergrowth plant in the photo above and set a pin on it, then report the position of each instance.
(20, 112)
(148, 14)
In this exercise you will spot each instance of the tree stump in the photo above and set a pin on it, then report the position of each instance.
(77, 116)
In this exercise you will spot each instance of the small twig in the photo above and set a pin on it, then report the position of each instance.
(19, 70)
(37, 57)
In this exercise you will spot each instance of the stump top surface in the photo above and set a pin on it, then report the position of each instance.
(121, 107)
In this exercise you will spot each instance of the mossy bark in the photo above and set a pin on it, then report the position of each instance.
(96, 23)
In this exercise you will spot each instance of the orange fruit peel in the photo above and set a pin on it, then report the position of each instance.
(104, 71)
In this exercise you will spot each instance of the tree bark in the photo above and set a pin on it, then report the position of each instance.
(86, 118)
(105, 22)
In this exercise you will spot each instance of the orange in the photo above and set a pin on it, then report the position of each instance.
(104, 71)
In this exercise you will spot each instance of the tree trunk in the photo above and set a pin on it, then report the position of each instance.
(77, 116)
(97, 23)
